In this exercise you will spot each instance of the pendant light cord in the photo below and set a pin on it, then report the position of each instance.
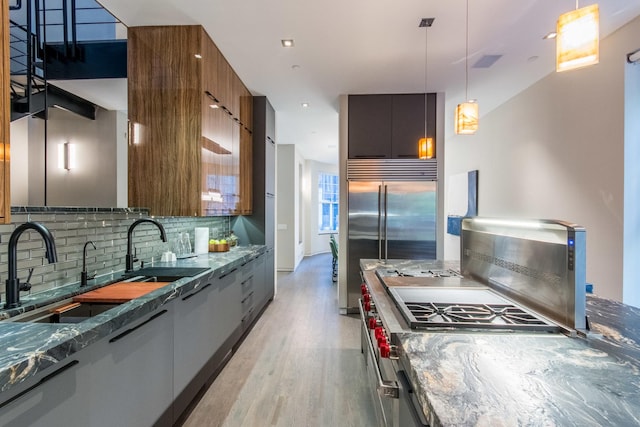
(426, 62)
(466, 58)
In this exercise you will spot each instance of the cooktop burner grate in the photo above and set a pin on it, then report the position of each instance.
(472, 313)
(427, 273)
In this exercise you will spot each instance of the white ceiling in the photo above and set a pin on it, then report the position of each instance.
(371, 46)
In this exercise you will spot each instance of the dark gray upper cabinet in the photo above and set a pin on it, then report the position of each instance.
(259, 228)
(370, 126)
(270, 121)
(390, 125)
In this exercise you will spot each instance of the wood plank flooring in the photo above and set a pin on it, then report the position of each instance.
(300, 365)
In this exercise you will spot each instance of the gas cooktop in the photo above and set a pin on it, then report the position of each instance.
(419, 273)
(471, 308)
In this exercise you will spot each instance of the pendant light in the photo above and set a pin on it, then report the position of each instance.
(578, 38)
(467, 115)
(426, 149)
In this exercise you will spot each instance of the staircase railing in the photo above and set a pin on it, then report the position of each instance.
(40, 28)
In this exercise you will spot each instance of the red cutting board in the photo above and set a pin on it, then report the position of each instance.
(119, 292)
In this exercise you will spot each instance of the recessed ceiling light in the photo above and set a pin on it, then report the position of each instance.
(287, 42)
(197, 55)
(214, 106)
(532, 58)
(551, 35)
(305, 105)
(295, 67)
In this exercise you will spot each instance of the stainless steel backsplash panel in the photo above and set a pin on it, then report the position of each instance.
(541, 264)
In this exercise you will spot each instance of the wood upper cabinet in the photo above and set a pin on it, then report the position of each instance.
(186, 126)
(389, 125)
(5, 114)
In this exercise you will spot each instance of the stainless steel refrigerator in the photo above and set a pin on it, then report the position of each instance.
(389, 220)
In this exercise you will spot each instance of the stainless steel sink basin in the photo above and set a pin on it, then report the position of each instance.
(64, 312)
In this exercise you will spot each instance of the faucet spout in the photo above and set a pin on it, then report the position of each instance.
(84, 277)
(130, 258)
(13, 283)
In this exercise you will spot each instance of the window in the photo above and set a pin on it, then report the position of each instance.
(328, 195)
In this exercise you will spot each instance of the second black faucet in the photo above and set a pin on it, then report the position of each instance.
(131, 256)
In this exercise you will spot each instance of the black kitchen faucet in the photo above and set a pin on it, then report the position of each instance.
(13, 283)
(131, 257)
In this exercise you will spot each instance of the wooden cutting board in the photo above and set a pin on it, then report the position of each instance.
(119, 292)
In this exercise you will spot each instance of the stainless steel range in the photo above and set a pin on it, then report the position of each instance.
(514, 277)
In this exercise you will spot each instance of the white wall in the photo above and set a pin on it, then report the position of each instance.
(19, 133)
(556, 151)
(290, 226)
(122, 160)
(314, 241)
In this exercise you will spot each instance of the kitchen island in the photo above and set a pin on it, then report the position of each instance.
(501, 378)
(140, 362)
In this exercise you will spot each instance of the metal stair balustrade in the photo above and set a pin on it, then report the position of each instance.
(60, 40)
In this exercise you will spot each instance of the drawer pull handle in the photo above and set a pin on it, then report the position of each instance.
(226, 274)
(128, 331)
(39, 383)
(186, 297)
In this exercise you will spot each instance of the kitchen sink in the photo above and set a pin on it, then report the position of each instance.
(166, 274)
(92, 303)
(64, 312)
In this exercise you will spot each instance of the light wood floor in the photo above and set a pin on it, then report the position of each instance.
(300, 365)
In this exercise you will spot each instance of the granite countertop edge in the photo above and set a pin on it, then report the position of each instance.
(30, 348)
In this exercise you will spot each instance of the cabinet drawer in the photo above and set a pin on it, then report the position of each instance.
(247, 285)
(247, 319)
(247, 302)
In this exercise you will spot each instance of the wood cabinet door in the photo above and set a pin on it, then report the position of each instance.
(370, 126)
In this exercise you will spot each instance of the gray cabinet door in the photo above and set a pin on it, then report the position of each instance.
(196, 336)
(369, 126)
(270, 270)
(407, 125)
(270, 221)
(228, 313)
(259, 282)
(58, 396)
(132, 372)
(270, 167)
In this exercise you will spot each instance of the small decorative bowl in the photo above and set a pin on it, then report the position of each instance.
(218, 247)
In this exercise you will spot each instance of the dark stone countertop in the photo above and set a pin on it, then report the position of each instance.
(28, 348)
(529, 379)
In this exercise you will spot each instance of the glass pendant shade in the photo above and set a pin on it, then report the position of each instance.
(578, 39)
(467, 118)
(425, 148)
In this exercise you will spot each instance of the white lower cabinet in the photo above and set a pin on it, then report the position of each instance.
(59, 396)
(132, 372)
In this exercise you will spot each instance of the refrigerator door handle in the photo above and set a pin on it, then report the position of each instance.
(386, 242)
(379, 223)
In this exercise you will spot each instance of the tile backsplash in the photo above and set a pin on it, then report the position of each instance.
(105, 227)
